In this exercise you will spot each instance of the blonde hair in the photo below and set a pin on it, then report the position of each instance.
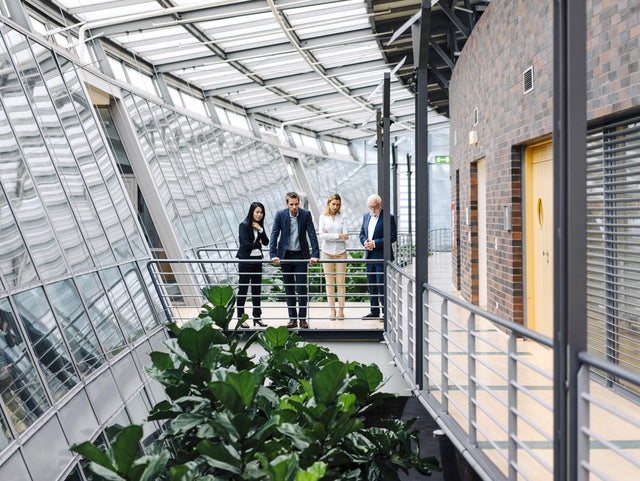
(333, 197)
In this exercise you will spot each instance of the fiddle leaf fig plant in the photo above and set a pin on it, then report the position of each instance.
(294, 413)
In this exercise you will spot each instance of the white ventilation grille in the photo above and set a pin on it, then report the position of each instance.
(527, 80)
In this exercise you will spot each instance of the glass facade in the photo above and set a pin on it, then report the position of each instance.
(75, 298)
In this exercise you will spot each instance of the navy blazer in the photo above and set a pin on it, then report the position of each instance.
(246, 240)
(378, 239)
(281, 231)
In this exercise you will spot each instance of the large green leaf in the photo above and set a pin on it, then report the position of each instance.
(225, 427)
(296, 355)
(162, 410)
(344, 428)
(220, 295)
(226, 394)
(243, 424)
(329, 381)
(314, 472)
(105, 473)
(220, 456)
(149, 468)
(276, 336)
(371, 375)
(195, 343)
(94, 454)
(186, 421)
(161, 360)
(125, 447)
(284, 468)
(220, 315)
(245, 385)
(182, 472)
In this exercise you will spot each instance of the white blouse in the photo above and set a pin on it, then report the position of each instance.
(330, 228)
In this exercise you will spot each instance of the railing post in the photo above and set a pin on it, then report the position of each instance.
(444, 352)
(471, 342)
(512, 378)
(422, 344)
(582, 386)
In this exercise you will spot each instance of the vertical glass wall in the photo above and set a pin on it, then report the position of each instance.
(207, 177)
(351, 180)
(73, 295)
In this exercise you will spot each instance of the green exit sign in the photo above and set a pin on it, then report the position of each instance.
(442, 159)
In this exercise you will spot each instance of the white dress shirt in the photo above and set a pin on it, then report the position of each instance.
(330, 229)
(373, 220)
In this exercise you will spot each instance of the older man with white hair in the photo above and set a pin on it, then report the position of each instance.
(372, 238)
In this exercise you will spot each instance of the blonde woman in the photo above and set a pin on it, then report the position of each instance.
(333, 235)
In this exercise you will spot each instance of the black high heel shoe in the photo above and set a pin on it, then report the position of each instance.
(258, 322)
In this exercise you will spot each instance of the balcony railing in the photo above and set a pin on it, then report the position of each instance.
(489, 383)
(179, 284)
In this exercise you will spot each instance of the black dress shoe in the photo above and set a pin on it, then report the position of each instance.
(244, 325)
(258, 322)
(292, 324)
(304, 324)
(371, 315)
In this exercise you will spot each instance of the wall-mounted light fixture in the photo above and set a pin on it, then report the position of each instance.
(473, 137)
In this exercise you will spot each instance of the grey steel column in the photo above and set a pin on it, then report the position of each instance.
(569, 170)
(394, 179)
(379, 150)
(420, 32)
(386, 178)
(409, 182)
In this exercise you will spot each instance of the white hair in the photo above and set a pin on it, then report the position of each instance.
(374, 198)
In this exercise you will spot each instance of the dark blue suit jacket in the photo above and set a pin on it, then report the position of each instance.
(246, 242)
(378, 239)
(280, 234)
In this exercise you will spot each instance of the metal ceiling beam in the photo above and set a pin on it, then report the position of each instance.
(451, 15)
(442, 54)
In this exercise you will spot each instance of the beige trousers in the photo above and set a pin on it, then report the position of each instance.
(335, 274)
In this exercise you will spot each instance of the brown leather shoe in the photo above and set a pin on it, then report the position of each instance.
(292, 324)
(304, 324)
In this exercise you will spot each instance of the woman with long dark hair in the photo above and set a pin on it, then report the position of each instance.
(251, 238)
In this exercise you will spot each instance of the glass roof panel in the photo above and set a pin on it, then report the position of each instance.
(92, 11)
(320, 29)
(289, 60)
(249, 41)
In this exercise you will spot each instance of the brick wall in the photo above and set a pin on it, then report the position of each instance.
(512, 36)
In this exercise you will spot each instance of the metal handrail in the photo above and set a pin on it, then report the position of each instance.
(179, 284)
(489, 385)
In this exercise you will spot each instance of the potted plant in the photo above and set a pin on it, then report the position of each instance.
(295, 413)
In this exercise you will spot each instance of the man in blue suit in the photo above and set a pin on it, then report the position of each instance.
(289, 242)
(372, 238)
